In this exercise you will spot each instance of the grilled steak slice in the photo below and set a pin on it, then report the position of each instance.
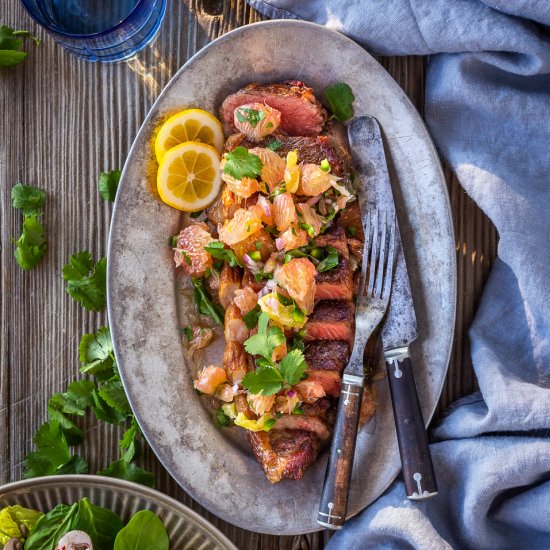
(351, 221)
(311, 424)
(330, 355)
(329, 380)
(302, 114)
(285, 453)
(335, 236)
(335, 284)
(331, 320)
(323, 407)
(310, 149)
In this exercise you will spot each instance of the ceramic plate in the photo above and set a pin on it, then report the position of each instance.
(147, 309)
(186, 529)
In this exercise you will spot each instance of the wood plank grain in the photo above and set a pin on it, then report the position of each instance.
(64, 122)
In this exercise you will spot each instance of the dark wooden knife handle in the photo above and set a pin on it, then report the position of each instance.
(334, 497)
(414, 450)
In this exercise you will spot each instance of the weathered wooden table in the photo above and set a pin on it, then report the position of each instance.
(62, 122)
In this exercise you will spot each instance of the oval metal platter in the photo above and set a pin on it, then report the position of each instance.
(147, 308)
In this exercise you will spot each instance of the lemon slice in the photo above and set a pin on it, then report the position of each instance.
(189, 125)
(189, 176)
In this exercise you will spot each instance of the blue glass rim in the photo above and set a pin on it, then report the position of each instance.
(83, 36)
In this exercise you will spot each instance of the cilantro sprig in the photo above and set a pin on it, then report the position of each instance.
(11, 46)
(86, 280)
(204, 301)
(242, 164)
(108, 184)
(269, 378)
(31, 246)
(252, 116)
(340, 99)
(217, 250)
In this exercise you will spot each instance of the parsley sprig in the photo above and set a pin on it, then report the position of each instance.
(269, 378)
(340, 99)
(242, 164)
(31, 246)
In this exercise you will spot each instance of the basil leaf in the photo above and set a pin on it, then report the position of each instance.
(144, 531)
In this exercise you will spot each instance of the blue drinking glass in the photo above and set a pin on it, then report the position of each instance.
(99, 30)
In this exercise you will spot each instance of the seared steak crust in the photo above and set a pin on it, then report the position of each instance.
(302, 114)
(330, 355)
(331, 320)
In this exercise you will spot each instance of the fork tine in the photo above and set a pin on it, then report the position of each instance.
(366, 248)
(377, 292)
(391, 255)
(374, 253)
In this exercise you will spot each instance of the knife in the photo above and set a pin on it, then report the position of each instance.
(399, 329)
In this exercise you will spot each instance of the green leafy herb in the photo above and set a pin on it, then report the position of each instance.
(188, 331)
(222, 419)
(144, 531)
(265, 380)
(96, 353)
(128, 471)
(105, 412)
(261, 275)
(86, 281)
(31, 245)
(11, 47)
(51, 527)
(325, 165)
(265, 341)
(242, 164)
(196, 214)
(52, 453)
(252, 116)
(298, 410)
(217, 250)
(351, 230)
(108, 184)
(340, 99)
(128, 442)
(292, 366)
(204, 301)
(310, 230)
(274, 145)
(331, 260)
(28, 199)
(251, 318)
(112, 392)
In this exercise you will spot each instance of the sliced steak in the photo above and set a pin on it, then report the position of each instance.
(331, 320)
(301, 112)
(330, 355)
(285, 453)
(310, 149)
(335, 284)
(329, 380)
(323, 407)
(303, 422)
(334, 236)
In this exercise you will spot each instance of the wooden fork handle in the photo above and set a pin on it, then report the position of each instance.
(416, 460)
(334, 497)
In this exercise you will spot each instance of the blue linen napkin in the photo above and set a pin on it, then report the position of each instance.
(488, 110)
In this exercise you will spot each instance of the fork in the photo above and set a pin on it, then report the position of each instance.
(372, 302)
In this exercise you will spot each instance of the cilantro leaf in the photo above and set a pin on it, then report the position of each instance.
(265, 380)
(96, 353)
(251, 318)
(128, 471)
(204, 301)
(10, 46)
(75, 465)
(252, 116)
(105, 412)
(330, 261)
(108, 184)
(86, 281)
(112, 392)
(217, 250)
(340, 99)
(28, 199)
(76, 399)
(128, 442)
(292, 366)
(242, 164)
(31, 245)
(274, 145)
(265, 341)
(222, 419)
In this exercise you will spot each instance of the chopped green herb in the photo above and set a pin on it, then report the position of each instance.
(255, 256)
(222, 419)
(196, 214)
(251, 318)
(330, 261)
(31, 245)
(258, 245)
(204, 301)
(242, 164)
(86, 281)
(252, 116)
(340, 99)
(284, 300)
(186, 257)
(351, 230)
(108, 184)
(298, 316)
(217, 250)
(188, 331)
(325, 165)
(269, 423)
(174, 241)
(298, 410)
(274, 145)
(261, 275)
(307, 227)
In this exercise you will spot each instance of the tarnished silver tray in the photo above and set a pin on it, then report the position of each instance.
(146, 309)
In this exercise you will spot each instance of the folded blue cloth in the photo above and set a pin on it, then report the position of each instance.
(488, 110)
